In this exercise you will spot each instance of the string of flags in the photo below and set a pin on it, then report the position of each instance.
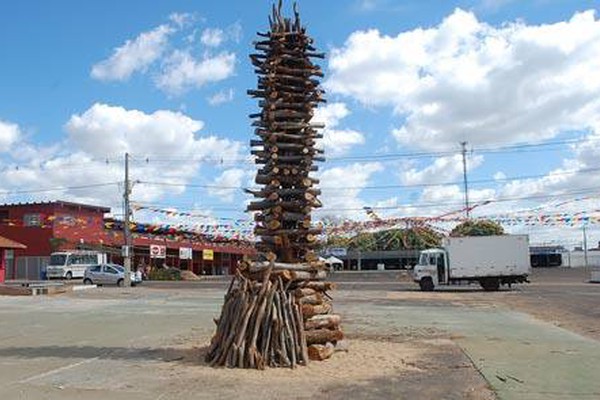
(231, 229)
(175, 213)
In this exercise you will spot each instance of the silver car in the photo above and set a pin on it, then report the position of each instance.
(108, 274)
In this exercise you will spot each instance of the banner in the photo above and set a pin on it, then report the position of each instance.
(185, 253)
(208, 255)
(157, 251)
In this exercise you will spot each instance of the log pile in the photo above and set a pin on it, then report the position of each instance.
(288, 92)
(274, 317)
(279, 313)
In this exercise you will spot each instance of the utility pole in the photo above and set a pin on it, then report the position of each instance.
(464, 160)
(128, 249)
(585, 247)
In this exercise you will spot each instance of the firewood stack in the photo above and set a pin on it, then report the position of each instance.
(279, 314)
(288, 93)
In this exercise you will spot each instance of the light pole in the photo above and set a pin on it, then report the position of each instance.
(464, 161)
(126, 229)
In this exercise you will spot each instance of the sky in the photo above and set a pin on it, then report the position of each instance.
(83, 83)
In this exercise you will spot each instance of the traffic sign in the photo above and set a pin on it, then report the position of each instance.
(158, 251)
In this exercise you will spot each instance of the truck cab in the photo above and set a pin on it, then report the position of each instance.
(432, 269)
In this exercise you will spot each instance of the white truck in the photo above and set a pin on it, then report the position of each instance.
(489, 260)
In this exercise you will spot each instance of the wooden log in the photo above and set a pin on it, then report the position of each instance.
(301, 292)
(313, 299)
(255, 359)
(279, 104)
(301, 334)
(328, 321)
(303, 275)
(305, 267)
(322, 336)
(320, 352)
(289, 232)
(309, 310)
(276, 240)
(318, 286)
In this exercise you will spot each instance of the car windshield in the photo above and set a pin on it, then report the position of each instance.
(58, 259)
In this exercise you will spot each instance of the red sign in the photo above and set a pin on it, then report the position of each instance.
(157, 251)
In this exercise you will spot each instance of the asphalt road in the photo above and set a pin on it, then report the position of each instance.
(564, 289)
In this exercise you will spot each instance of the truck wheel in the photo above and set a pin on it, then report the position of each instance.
(69, 276)
(490, 284)
(426, 284)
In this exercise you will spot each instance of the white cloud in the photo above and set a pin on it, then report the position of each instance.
(110, 130)
(336, 141)
(107, 132)
(452, 195)
(175, 69)
(499, 176)
(221, 97)
(467, 80)
(181, 20)
(212, 37)
(342, 186)
(229, 183)
(442, 170)
(181, 71)
(9, 134)
(134, 55)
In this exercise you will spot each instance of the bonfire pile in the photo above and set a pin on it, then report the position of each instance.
(279, 314)
(275, 315)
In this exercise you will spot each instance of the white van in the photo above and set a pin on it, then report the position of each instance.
(71, 264)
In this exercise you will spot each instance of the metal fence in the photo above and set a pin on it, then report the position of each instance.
(26, 268)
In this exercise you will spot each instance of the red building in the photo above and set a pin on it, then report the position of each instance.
(59, 225)
(5, 246)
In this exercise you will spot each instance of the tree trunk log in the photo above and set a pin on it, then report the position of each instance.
(319, 352)
(328, 321)
(322, 336)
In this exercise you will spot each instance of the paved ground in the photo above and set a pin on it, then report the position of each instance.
(533, 342)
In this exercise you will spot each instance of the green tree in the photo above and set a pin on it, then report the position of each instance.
(477, 228)
(416, 238)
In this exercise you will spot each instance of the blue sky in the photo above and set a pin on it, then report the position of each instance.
(83, 82)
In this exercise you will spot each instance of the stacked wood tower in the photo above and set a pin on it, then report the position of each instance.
(277, 310)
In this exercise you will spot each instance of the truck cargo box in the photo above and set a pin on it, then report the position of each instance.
(481, 256)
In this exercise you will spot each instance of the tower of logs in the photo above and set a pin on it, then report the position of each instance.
(277, 311)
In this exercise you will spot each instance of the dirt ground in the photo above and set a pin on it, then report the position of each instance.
(149, 343)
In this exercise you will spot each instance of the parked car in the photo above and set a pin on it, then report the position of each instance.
(109, 274)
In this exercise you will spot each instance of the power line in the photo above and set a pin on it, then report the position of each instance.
(59, 188)
(517, 148)
(375, 187)
(420, 205)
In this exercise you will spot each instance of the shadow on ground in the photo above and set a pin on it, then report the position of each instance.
(191, 356)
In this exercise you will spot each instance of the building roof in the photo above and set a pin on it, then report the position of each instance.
(59, 203)
(6, 243)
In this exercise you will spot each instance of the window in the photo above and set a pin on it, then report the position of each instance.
(432, 260)
(110, 270)
(32, 220)
(58, 259)
(95, 268)
(83, 259)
